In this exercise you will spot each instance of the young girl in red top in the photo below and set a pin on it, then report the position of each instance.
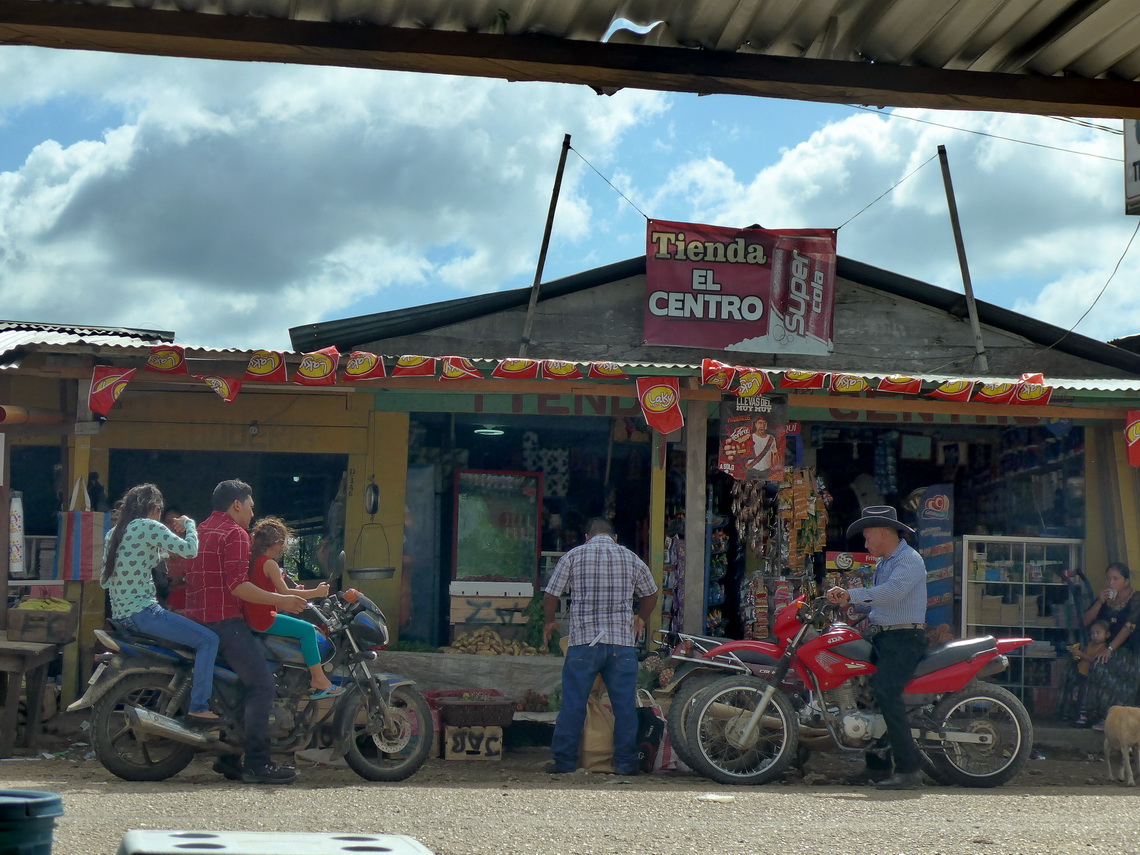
(270, 537)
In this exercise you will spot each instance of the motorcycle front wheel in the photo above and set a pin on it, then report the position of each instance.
(716, 729)
(393, 753)
(152, 759)
(981, 709)
(679, 708)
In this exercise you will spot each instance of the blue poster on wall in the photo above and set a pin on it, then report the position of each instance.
(935, 530)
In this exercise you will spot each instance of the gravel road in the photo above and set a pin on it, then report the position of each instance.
(513, 808)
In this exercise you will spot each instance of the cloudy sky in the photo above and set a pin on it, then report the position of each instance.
(228, 202)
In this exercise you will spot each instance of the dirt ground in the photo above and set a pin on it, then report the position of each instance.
(64, 746)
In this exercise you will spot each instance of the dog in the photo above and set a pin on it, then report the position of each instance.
(1122, 733)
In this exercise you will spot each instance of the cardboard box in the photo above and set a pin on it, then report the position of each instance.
(496, 611)
(1011, 614)
(472, 743)
(43, 626)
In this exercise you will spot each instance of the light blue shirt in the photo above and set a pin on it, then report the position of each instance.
(898, 591)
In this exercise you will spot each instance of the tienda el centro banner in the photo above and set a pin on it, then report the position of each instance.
(748, 289)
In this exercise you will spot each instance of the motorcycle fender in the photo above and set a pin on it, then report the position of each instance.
(947, 679)
(1004, 645)
(110, 677)
(686, 669)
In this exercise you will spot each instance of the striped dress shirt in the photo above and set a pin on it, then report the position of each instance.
(898, 591)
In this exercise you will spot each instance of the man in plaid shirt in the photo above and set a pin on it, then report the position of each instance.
(603, 579)
(217, 581)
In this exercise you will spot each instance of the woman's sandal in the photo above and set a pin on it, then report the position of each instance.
(330, 692)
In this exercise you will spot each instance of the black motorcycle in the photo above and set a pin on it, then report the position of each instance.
(380, 724)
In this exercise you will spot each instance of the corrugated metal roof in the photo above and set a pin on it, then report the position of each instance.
(1064, 40)
(17, 336)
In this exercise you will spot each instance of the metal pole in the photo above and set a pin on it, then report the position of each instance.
(971, 307)
(545, 243)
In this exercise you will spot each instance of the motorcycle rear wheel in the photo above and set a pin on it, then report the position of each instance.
(715, 723)
(981, 708)
(679, 708)
(376, 755)
(116, 747)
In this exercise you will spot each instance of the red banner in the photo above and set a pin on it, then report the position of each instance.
(318, 368)
(953, 390)
(107, 384)
(714, 373)
(660, 399)
(901, 384)
(1034, 394)
(849, 383)
(266, 366)
(804, 380)
(995, 393)
(516, 369)
(226, 387)
(458, 368)
(607, 371)
(753, 382)
(414, 366)
(739, 289)
(1132, 437)
(362, 365)
(167, 359)
(554, 369)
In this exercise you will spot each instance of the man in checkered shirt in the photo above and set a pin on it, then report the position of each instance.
(603, 579)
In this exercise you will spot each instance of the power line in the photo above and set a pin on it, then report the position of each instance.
(889, 189)
(607, 181)
(896, 115)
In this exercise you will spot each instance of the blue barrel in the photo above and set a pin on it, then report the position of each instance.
(27, 820)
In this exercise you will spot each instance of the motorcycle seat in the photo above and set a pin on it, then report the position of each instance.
(953, 652)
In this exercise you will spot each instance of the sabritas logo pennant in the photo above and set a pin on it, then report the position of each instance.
(848, 383)
(657, 399)
(167, 359)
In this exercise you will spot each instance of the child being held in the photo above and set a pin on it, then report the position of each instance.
(1098, 640)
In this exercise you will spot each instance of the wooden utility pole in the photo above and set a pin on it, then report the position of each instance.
(967, 285)
(545, 243)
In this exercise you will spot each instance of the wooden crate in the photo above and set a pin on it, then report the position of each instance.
(43, 626)
(493, 611)
(472, 743)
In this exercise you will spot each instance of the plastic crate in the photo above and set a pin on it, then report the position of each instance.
(456, 712)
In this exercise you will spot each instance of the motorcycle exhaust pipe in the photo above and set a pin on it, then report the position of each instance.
(145, 723)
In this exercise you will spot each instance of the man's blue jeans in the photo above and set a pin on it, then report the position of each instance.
(157, 622)
(245, 656)
(617, 664)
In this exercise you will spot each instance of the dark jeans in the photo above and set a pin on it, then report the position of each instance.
(618, 666)
(242, 650)
(897, 652)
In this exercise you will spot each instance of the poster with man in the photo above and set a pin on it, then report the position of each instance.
(752, 437)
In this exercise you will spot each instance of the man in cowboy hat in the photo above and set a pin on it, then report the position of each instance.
(896, 612)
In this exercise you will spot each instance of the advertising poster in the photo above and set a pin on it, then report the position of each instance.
(752, 289)
(752, 437)
(935, 543)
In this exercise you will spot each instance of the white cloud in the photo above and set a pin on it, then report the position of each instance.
(235, 201)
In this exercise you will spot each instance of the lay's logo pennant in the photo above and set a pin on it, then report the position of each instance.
(849, 384)
(226, 387)
(718, 374)
(1132, 437)
(660, 399)
(606, 371)
(1032, 394)
(900, 384)
(107, 384)
(804, 380)
(266, 366)
(167, 359)
(516, 369)
(318, 368)
(414, 366)
(753, 382)
(555, 369)
(995, 393)
(458, 368)
(953, 390)
(362, 365)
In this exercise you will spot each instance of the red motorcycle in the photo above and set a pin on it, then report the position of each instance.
(745, 729)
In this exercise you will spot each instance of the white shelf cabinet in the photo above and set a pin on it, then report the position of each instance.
(1015, 586)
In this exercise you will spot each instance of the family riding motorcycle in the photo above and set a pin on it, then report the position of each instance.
(747, 729)
(380, 724)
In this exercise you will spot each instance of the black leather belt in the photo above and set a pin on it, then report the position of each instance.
(875, 629)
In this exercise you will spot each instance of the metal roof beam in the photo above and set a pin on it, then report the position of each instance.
(601, 66)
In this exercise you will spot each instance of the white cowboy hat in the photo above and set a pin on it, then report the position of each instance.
(878, 516)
